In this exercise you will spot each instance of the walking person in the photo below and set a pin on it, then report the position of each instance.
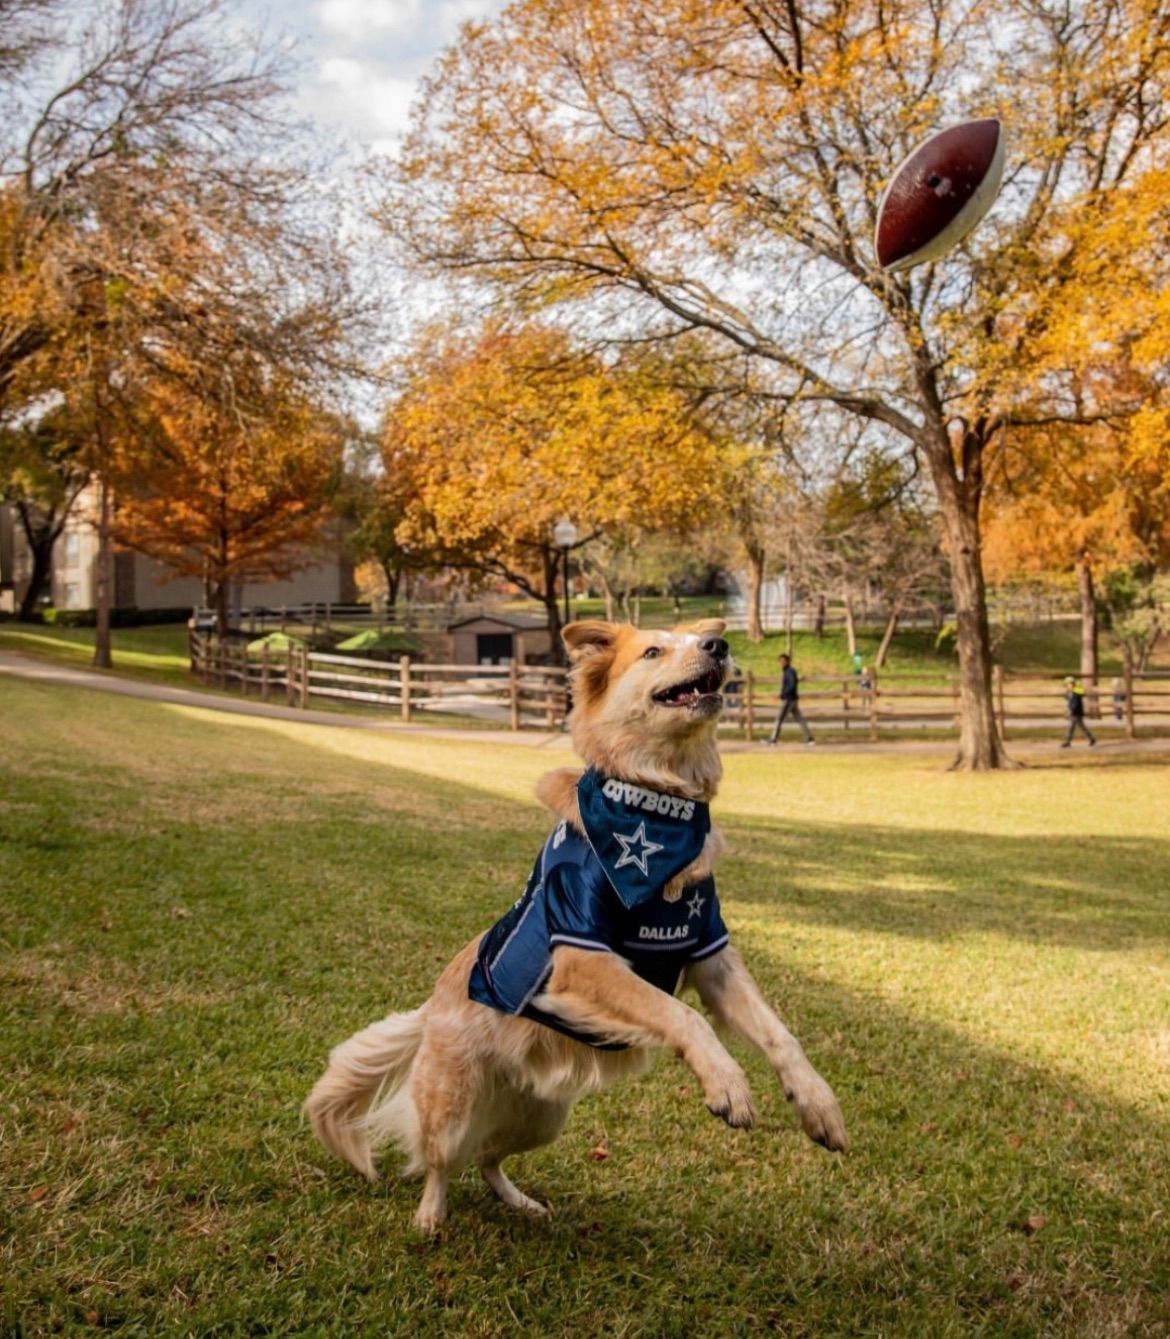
(790, 702)
(1074, 701)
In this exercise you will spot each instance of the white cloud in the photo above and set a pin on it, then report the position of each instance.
(361, 19)
(372, 103)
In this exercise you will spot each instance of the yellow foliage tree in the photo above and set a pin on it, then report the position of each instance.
(505, 432)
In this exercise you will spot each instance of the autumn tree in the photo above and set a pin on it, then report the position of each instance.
(237, 480)
(1093, 496)
(374, 502)
(140, 89)
(145, 218)
(504, 432)
(675, 165)
(876, 535)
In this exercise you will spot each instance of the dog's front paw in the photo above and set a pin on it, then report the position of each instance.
(730, 1098)
(820, 1114)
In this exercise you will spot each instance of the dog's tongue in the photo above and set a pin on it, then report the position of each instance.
(642, 837)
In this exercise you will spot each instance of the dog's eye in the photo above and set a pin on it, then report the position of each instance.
(652, 653)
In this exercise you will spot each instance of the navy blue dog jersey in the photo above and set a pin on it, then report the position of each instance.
(602, 892)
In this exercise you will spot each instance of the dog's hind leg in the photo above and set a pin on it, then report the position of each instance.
(506, 1191)
(432, 1210)
(532, 1122)
(444, 1084)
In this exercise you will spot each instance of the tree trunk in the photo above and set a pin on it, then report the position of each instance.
(102, 650)
(393, 577)
(887, 637)
(41, 539)
(819, 626)
(755, 557)
(1088, 597)
(788, 617)
(221, 608)
(607, 591)
(980, 748)
(550, 560)
(850, 629)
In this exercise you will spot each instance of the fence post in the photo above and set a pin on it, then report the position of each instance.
(873, 716)
(845, 701)
(749, 705)
(997, 683)
(1130, 732)
(404, 685)
(221, 662)
(514, 693)
(264, 672)
(955, 700)
(290, 674)
(304, 676)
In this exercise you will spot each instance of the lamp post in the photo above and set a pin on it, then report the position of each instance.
(564, 537)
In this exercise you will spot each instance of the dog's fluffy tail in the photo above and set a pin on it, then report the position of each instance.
(369, 1068)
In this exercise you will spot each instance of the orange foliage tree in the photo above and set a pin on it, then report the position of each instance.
(236, 481)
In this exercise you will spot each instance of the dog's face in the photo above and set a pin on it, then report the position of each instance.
(638, 692)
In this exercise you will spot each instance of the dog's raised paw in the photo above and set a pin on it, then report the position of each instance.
(820, 1115)
(732, 1102)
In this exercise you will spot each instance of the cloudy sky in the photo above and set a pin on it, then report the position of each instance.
(363, 58)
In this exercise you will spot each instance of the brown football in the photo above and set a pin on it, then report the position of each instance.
(939, 193)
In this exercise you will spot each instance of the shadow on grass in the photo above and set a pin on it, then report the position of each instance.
(1085, 892)
(982, 1196)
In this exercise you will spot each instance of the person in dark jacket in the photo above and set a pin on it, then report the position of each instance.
(790, 702)
(1074, 701)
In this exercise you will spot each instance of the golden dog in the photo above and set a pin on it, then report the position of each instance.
(459, 1081)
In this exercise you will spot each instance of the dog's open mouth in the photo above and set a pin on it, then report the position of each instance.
(703, 691)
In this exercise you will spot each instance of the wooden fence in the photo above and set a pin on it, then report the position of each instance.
(906, 701)
(533, 696)
(518, 696)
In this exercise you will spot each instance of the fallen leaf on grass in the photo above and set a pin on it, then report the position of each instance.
(1032, 1224)
(1014, 1140)
(37, 1194)
(179, 914)
(599, 1153)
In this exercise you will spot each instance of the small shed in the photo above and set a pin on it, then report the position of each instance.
(494, 639)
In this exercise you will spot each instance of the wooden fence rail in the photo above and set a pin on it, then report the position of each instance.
(517, 696)
(533, 696)
(905, 701)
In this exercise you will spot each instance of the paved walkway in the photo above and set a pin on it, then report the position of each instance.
(46, 671)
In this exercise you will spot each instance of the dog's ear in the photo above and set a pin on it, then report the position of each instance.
(588, 638)
(706, 627)
(592, 645)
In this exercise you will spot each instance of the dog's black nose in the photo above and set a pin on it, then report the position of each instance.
(715, 646)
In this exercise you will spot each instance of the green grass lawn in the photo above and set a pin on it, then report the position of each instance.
(155, 653)
(195, 908)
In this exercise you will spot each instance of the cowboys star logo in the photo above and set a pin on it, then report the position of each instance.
(695, 905)
(631, 857)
